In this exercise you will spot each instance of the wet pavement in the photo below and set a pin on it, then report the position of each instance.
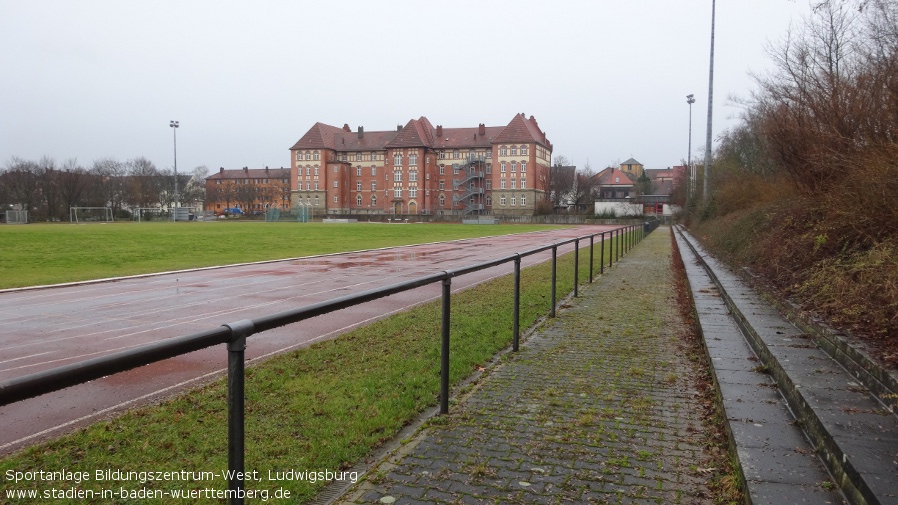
(599, 406)
(46, 328)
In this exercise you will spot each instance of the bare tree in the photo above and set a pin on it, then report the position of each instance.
(144, 183)
(22, 183)
(110, 183)
(74, 183)
(585, 187)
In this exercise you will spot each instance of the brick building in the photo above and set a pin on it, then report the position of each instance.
(422, 169)
(252, 190)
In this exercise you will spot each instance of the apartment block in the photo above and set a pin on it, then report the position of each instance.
(252, 190)
(422, 169)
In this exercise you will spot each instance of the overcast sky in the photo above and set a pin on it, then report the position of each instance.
(606, 79)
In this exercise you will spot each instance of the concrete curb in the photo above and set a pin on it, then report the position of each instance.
(848, 426)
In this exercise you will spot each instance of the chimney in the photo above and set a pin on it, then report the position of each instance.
(399, 127)
(361, 131)
(346, 128)
(266, 171)
(221, 170)
(246, 170)
(440, 131)
(482, 130)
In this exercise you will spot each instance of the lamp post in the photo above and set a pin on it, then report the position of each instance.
(710, 104)
(690, 100)
(174, 126)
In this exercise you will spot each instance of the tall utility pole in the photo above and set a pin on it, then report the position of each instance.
(174, 127)
(690, 100)
(710, 106)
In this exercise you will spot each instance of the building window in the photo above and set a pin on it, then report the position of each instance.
(397, 159)
(442, 169)
(413, 159)
(358, 171)
(523, 182)
(412, 192)
(523, 167)
(317, 201)
(523, 151)
(373, 156)
(343, 157)
(316, 185)
(413, 176)
(337, 168)
(336, 184)
(489, 184)
(397, 176)
(442, 185)
(373, 170)
(308, 185)
(374, 200)
(523, 200)
(316, 157)
(502, 167)
(455, 154)
(514, 200)
(358, 156)
(489, 201)
(442, 201)
(502, 201)
(514, 166)
(397, 192)
(455, 169)
(514, 183)
(503, 151)
(514, 152)
(358, 185)
(373, 185)
(502, 184)
(335, 199)
(358, 200)
(316, 170)
(489, 168)
(442, 155)
(308, 155)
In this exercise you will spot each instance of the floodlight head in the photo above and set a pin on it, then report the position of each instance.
(690, 99)
(173, 124)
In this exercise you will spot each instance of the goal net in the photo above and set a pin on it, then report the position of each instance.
(141, 214)
(90, 214)
(16, 217)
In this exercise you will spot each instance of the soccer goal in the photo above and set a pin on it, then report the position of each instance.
(141, 214)
(90, 214)
(16, 217)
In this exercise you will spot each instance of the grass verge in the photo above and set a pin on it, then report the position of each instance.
(320, 408)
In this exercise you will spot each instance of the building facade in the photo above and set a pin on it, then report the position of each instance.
(422, 169)
(252, 190)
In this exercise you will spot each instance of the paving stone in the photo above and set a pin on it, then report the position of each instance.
(597, 407)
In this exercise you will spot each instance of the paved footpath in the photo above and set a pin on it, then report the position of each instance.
(599, 406)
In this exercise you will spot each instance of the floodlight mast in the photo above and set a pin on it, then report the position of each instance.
(710, 106)
(174, 126)
(690, 99)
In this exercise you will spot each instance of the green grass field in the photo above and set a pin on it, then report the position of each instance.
(54, 253)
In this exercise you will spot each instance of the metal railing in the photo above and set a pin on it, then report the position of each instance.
(235, 335)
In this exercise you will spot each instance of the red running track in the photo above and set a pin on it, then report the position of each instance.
(46, 328)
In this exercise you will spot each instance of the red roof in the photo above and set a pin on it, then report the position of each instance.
(523, 130)
(251, 173)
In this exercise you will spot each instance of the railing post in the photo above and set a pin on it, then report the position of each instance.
(576, 264)
(610, 247)
(591, 245)
(517, 304)
(554, 268)
(602, 256)
(444, 355)
(236, 398)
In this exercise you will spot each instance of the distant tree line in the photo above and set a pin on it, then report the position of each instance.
(48, 189)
